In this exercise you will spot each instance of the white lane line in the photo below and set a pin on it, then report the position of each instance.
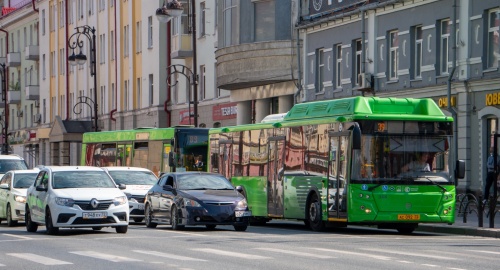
(485, 251)
(98, 255)
(430, 265)
(38, 259)
(452, 268)
(184, 233)
(2, 265)
(170, 256)
(17, 236)
(410, 254)
(380, 257)
(404, 262)
(231, 254)
(297, 253)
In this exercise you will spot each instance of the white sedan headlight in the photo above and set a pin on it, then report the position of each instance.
(120, 200)
(65, 201)
(192, 203)
(21, 199)
(242, 205)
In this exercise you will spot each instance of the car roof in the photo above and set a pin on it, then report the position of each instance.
(34, 170)
(194, 173)
(125, 168)
(13, 157)
(71, 168)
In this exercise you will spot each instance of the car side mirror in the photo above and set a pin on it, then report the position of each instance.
(41, 188)
(122, 186)
(168, 188)
(4, 186)
(239, 189)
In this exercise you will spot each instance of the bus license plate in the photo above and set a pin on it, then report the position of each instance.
(89, 215)
(408, 217)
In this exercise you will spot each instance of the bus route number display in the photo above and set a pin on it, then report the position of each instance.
(192, 139)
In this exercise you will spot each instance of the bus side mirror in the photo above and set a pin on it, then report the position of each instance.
(460, 167)
(356, 137)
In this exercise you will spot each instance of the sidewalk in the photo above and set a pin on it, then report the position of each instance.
(469, 228)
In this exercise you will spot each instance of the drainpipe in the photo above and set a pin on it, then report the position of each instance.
(36, 9)
(169, 88)
(6, 110)
(450, 78)
(299, 65)
(67, 57)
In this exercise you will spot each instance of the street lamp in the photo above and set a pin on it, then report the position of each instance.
(75, 41)
(5, 126)
(170, 10)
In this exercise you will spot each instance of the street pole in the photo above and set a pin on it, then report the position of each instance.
(5, 127)
(195, 74)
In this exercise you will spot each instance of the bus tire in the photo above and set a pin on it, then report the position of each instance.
(314, 216)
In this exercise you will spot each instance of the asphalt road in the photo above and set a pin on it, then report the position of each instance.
(278, 245)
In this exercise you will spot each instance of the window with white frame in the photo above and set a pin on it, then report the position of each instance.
(202, 19)
(320, 69)
(102, 5)
(150, 32)
(62, 107)
(338, 65)
(445, 26)
(113, 96)
(417, 60)
(103, 99)
(80, 9)
(203, 81)
(493, 39)
(230, 19)
(102, 49)
(125, 41)
(71, 14)
(91, 7)
(138, 40)
(139, 94)
(52, 64)
(44, 71)
(151, 89)
(43, 22)
(52, 16)
(112, 45)
(393, 55)
(357, 61)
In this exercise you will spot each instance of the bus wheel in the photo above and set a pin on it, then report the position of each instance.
(314, 215)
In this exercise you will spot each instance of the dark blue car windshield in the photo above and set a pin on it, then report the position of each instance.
(203, 181)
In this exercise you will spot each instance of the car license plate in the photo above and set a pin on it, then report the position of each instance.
(141, 206)
(409, 217)
(242, 213)
(89, 215)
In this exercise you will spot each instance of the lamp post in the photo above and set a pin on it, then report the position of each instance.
(5, 126)
(76, 41)
(170, 10)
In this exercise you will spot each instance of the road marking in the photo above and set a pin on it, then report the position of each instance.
(170, 256)
(410, 254)
(485, 251)
(38, 259)
(380, 257)
(231, 254)
(102, 256)
(430, 265)
(17, 236)
(184, 233)
(298, 253)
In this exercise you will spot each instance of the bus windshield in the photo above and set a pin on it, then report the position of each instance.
(192, 150)
(402, 158)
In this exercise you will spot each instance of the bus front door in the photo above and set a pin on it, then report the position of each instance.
(276, 154)
(337, 175)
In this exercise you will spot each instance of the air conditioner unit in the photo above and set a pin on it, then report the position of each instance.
(20, 113)
(37, 118)
(365, 80)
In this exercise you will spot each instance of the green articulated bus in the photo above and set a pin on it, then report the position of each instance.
(158, 149)
(362, 161)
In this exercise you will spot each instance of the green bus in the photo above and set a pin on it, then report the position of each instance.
(345, 161)
(157, 149)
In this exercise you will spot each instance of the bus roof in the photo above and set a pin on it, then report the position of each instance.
(139, 134)
(370, 108)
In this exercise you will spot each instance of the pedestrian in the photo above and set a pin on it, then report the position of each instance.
(491, 175)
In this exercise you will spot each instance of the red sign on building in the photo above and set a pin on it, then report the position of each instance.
(225, 111)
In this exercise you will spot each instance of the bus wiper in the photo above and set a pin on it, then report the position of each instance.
(444, 189)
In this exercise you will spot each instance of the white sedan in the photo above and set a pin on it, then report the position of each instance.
(75, 197)
(13, 186)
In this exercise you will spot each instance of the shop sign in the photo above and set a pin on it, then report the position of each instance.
(493, 99)
(225, 111)
(442, 102)
(184, 117)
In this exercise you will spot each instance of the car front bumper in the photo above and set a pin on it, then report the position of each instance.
(17, 211)
(200, 216)
(72, 217)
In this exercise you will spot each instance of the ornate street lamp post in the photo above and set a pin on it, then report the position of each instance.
(5, 125)
(170, 10)
(76, 41)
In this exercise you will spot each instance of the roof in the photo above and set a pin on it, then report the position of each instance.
(13, 157)
(71, 168)
(125, 168)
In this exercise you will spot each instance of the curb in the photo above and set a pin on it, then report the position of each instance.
(471, 231)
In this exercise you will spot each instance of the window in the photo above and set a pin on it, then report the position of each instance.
(103, 99)
(264, 12)
(445, 26)
(151, 88)
(80, 9)
(493, 39)
(62, 61)
(417, 48)
(139, 94)
(338, 65)
(393, 55)
(320, 68)
(43, 22)
(202, 87)
(52, 21)
(230, 20)
(150, 32)
(113, 96)
(71, 15)
(138, 40)
(112, 45)
(44, 71)
(125, 41)
(52, 64)
(61, 14)
(202, 19)
(125, 96)
(102, 50)
(357, 61)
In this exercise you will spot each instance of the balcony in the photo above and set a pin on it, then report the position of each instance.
(32, 92)
(181, 46)
(255, 64)
(14, 97)
(14, 59)
(32, 52)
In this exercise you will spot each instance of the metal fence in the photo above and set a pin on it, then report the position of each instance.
(468, 204)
